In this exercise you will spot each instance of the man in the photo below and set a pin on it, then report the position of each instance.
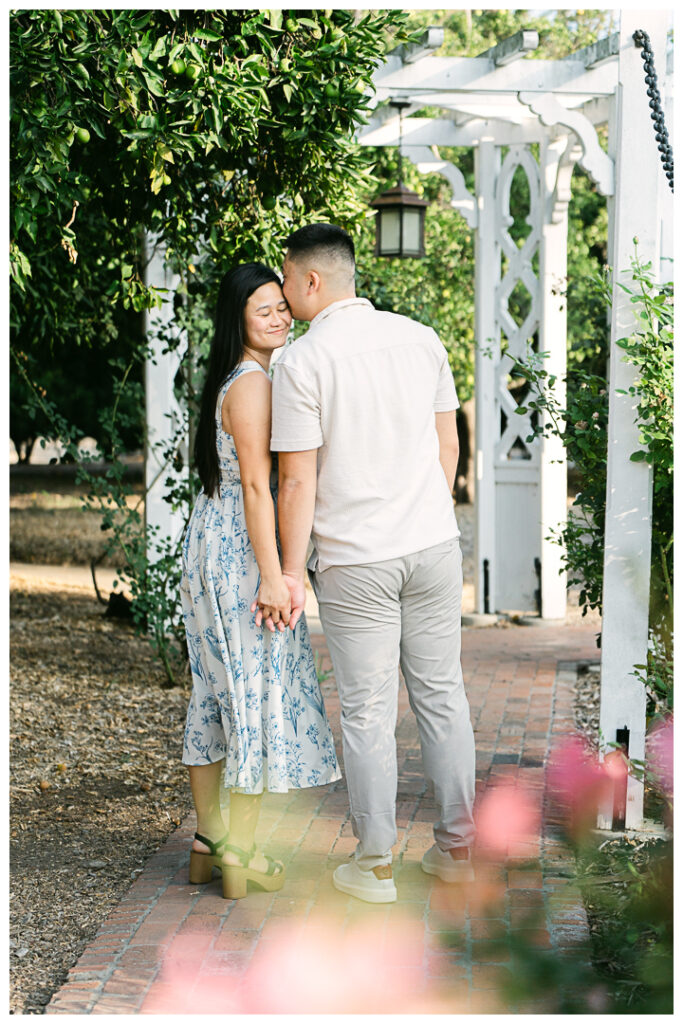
(364, 424)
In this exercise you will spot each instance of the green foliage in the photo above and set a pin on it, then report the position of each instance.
(627, 890)
(657, 676)
(218, 131)
(650, 349)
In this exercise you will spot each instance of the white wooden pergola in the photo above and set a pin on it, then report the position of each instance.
(539, 118)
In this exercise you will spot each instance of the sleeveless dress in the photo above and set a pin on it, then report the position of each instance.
(255, 699)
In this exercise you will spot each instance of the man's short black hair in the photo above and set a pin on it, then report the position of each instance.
(327, 239)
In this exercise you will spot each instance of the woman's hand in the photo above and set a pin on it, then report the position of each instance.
(273, 603)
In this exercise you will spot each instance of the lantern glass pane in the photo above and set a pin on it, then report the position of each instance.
(411, 232)
(390, 231)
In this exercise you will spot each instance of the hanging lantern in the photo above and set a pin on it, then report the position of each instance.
(400, 223)
(400, 218)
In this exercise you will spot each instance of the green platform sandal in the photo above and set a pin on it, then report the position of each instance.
(235, 877)
(202, 864)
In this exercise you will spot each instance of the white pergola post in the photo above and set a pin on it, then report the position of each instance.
(634, 213)
(556, 177)
(486, 277)
(164, 416)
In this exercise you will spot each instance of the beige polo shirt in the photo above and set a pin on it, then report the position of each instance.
(362, 386)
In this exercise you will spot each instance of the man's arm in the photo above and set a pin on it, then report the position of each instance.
(449, 448)
(296, 504)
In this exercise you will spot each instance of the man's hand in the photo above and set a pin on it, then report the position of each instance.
(274, 605)
(297, 592)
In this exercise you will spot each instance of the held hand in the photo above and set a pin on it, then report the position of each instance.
(273, 604)
(297, 591)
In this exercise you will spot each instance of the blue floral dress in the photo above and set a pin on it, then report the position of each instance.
(255, 700)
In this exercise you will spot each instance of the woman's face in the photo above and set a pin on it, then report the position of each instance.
(267, 318)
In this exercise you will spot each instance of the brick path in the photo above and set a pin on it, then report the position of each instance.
(174, 948)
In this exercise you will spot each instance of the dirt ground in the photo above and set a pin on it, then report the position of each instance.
(54, 529)
(96, 778)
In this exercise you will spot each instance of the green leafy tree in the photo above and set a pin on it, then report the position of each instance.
(217, 131)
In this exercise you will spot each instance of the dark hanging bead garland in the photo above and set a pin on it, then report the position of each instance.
(642, 40)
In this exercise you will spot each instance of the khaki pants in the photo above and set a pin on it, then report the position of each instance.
(404, 611)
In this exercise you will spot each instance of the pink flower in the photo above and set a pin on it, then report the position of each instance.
(574, 775)
(660, 747)
(324, 970)
(576, 781)
(300, 968)
(507, 816)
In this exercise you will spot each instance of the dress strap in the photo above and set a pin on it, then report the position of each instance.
(247, 366)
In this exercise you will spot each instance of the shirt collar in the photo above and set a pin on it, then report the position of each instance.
(356, 300)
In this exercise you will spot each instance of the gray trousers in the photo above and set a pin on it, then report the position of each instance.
(404, 611)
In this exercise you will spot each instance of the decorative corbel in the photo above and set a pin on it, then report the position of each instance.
(595, 162)
(428, 161)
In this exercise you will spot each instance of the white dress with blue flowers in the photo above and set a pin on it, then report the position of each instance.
(256, 700)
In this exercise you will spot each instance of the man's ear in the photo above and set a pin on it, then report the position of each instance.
(314, 281)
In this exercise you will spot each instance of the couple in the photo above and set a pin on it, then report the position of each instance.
(363, 424)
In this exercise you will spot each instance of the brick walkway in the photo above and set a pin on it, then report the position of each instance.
(174, 948)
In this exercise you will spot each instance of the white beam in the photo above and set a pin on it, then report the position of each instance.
(478, 74)
(634, 212)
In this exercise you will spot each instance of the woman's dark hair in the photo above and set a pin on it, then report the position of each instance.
(226, 352)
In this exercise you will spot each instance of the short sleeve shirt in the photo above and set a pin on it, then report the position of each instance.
(362, 387)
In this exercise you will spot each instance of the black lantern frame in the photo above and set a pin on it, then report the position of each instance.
(400, 222)
(400, 218)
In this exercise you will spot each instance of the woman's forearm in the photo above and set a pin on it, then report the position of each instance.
(259, 511)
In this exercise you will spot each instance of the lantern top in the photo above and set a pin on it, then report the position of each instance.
(399, 196)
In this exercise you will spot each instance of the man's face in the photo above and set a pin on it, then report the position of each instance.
(295, 289)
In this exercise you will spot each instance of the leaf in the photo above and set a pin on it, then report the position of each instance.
(207, 35)
(159, 48)
(154, 84)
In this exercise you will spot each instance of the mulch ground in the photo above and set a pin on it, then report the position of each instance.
(96, 778)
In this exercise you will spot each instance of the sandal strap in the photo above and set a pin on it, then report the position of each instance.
(246, 855)
(243, 855)
(272, 864)
(215, 848)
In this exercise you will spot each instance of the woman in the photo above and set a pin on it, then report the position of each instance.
(256, 717)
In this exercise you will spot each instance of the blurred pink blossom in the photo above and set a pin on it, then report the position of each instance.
(300, 968)
(660, 747)
(574, 775)
(507, 816)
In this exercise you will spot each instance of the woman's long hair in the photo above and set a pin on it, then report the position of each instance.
(227, 348)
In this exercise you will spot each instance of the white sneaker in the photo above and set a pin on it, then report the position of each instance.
(436, 862)
(364, 885)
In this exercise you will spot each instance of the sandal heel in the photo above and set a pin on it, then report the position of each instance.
(234, 882)
(201, 868)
